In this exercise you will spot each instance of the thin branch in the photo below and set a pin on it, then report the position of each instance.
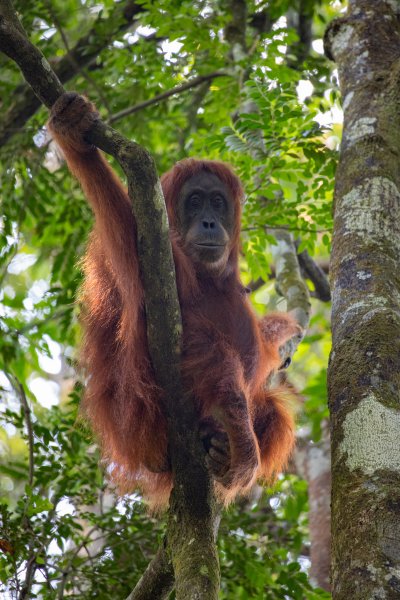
(30, 573)
(19, 390)
(68, 567)
(74, 552)
(31, 562)
(85, 51)
(4, 270)
(40, 322)
(45, 572)
(89, 556)
(314, 272)
(291, 286)
(143, 186)
(164, 95)
(61, 586)
(286, 228)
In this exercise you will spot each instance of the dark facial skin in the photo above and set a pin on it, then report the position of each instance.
(206, 217)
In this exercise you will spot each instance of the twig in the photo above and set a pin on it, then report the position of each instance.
(164, 95)
(67, 568)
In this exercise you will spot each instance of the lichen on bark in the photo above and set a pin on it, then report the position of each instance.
(371, 437)
(364, 370)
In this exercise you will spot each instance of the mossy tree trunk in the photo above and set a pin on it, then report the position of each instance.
(364, 371)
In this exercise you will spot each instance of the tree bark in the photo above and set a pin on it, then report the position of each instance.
(313, 463)
(193, 514)
(364, 370)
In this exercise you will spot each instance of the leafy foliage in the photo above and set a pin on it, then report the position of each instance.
(278, 149)
(60, 522)
(261, 544)
(83, 540)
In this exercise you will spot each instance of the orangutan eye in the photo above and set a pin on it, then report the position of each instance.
(218, 202)
(194, 201)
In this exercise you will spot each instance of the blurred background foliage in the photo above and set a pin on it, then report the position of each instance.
(265, 99)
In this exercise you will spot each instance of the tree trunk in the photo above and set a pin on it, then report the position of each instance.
(313, 463)
(364, 371)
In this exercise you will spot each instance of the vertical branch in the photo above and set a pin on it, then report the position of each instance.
(28, 421)
(316, 274)
(31, 565)
(291, 285)
(19, 390)
(313, 462)
(192, 516)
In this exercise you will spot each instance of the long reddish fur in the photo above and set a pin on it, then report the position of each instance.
(122, 400)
